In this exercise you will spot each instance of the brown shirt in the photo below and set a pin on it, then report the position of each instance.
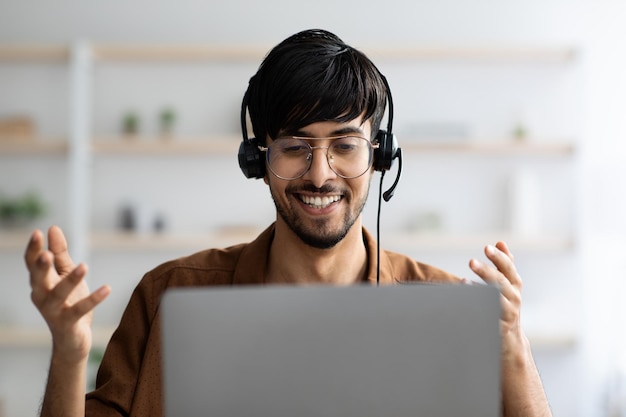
(129, 379)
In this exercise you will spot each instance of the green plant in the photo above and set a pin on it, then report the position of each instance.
(25, 208)
(130, 123)
(167, 118)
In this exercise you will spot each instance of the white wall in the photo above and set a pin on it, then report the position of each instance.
(241, 20)
(597, 27)
(604, 202)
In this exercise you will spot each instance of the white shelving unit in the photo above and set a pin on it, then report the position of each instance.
(85, 147)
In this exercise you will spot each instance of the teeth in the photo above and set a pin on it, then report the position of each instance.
(319, 202)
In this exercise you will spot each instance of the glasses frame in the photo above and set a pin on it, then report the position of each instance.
(309, 158)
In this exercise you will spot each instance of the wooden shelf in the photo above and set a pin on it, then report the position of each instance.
(165, 146)
(180, 52)
(214, 52)
(122, 241)
(13, 146)
(124, 52)
(483, 53)
(229, 145)
(143, 145)
(16, 240)
(496, 147)
(33, 52)
(254, 53)
(39, 337)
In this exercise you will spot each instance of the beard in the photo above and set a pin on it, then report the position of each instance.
(320, 235)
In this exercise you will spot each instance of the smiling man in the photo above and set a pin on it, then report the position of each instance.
(315, 106)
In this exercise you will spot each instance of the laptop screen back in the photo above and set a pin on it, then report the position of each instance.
(406, 350)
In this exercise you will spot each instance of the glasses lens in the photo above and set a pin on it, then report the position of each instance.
(348, 157)
(289, 158)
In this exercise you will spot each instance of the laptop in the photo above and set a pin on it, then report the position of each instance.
(314, 351)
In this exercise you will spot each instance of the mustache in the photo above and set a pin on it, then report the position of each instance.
(310, 188)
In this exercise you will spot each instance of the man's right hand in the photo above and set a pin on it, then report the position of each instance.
(61, 295)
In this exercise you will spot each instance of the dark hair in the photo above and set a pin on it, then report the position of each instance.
(313, 76)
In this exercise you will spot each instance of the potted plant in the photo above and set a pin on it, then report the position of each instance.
(130, 123)
(22, 210)
(167, 118)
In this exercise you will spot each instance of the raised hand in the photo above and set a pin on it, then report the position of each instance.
(522, 390)
(61, 295)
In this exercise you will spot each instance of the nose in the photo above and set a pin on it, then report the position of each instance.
(319, 172)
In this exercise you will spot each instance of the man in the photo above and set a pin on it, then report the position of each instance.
(316, 105)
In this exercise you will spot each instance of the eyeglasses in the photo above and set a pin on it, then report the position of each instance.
(290, 158)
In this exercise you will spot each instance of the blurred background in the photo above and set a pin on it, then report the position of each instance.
(119, 121)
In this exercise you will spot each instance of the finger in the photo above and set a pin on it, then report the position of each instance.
(492, 276)
(58, 246)
(88, 303)
(42, 275)
(33, 249)
(504, 263)
(486, 272)
(509, 298)
(61, 292)
(505, 249)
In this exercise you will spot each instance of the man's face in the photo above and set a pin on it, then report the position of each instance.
(321, 207)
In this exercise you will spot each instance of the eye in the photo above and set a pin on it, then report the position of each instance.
(293, 147)
(346, 145)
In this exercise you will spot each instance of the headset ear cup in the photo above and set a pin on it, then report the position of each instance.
(251, 159)
(386, 152)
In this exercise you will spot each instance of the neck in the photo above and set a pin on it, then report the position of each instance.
(343, 264)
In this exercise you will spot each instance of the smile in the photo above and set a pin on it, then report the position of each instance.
(319, 202)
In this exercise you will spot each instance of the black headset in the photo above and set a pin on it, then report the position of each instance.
(252, 160)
